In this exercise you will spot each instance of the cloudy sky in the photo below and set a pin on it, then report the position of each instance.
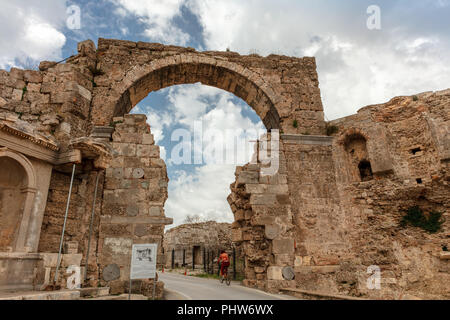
(357, 66)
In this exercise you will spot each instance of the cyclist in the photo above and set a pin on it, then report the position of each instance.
(224, 263)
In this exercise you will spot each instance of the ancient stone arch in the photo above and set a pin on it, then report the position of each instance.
(140, 80)
(278, 88)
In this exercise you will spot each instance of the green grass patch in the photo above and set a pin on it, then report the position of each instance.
(207, 276)
(431, 222)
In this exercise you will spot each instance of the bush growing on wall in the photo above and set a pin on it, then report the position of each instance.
(415, 217)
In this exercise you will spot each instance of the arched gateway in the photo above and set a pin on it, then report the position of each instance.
(79, 110)
(280, 89)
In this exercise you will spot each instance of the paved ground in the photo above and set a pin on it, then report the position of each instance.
(180, 287)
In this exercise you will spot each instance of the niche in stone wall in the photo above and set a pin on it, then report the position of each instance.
(359, 164)
(13, 179)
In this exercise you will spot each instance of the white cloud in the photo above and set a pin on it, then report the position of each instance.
(443, 3)
(356, 66)
(31, 31)
(158, 17)
(223, 125)
(203, 192)
(190, 102)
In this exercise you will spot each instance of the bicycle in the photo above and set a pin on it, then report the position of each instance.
(225, 276)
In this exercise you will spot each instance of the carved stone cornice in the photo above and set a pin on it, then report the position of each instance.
(30, 148)
(24, 135)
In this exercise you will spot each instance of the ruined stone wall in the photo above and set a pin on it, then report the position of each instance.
(205, 236)
(264, 227)
(79, 214)
(320, 242)
(135, 191)
(56, 99)
(344, 218)
(407, 146)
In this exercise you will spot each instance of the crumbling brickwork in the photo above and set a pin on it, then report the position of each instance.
(407, 147)
(264, 224)
(347, 196)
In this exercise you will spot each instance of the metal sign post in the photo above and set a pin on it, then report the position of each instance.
(91, 226)
(64, 225)
(143, 264)
(154, 289)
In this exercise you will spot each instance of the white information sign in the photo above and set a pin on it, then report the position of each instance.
(143, 261)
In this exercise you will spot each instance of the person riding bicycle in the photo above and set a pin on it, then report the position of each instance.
(224, 262)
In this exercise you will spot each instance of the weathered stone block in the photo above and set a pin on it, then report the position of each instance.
(148, 139)
(248, 177)
(260, 269)
(236, 235)
(298, 261)
(155, 212)
(283, 246)
(275, 273)
(316, 269)
(271, 231)
(147, 151)
(32, 76)
(71, 247)
(141, 230)
(125, 149)
(71, 259)
(132, 210)
(263, 199)
(266, 188)
(239, 215)
(111, 272)
(117, 287)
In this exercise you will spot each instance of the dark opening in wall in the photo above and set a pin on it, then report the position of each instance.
(365, 170)
(419, 181)
(415, 150)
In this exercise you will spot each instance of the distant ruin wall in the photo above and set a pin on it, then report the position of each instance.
(196, 240)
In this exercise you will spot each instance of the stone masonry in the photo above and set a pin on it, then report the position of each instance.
(134, 194)
(331, 211)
